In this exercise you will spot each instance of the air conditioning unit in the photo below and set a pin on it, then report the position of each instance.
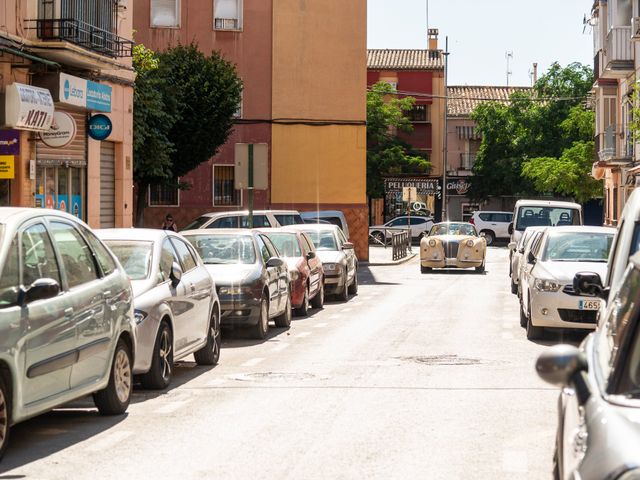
(635, 28)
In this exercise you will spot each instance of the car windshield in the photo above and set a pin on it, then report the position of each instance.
(286, 243)
(197, 223)
(453, 229)
(546, 217)
(289, 219)
(224, 249)
(578, 247)
(323, 240)
(135, 257)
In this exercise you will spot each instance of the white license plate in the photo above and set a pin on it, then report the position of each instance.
(589, 305)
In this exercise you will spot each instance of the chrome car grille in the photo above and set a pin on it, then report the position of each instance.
(450, 249)
(578, 316)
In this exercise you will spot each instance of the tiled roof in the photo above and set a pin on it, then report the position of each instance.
(464, 99)
(405, 59)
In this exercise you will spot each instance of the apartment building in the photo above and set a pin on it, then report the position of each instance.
(66, 86)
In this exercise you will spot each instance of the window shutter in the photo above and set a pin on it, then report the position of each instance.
(164, 13)
(226, 9)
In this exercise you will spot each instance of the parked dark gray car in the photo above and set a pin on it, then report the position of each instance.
(599, 407)
(251, 279)
(66, 318)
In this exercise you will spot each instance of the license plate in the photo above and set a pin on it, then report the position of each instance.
(589, 305)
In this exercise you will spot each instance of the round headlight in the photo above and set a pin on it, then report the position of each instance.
(469, 243)
(432, 243)
(630, 475)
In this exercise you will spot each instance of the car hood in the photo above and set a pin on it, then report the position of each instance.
(330, 256)
(452, 238)
(140, 287)
(565, 271)
(233, 274)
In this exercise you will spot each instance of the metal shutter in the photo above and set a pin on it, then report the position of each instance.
(107, 185)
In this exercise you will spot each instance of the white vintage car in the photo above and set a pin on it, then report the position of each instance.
(453, 245)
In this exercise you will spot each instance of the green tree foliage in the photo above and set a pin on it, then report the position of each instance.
(527, 143)
(387, 154)
(184, 103)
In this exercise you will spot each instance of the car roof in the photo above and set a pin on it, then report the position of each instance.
(246, 212)
(143, 234)
(218, 231)
(276, 230)
(12, 214)
(546, 203)
(311, 227)
(453, 221)
(492, 211)
(580, 229)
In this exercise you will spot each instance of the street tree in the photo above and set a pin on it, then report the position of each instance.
(387, 153)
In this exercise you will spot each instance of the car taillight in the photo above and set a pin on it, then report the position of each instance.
(472, 221)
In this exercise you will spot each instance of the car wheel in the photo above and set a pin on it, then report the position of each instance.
(115, 399)
(480, 269)
(261, 328)
(523, 317)
(489, 236)
(5, 416)
(159, 375)
(353, 288)
(210, 353)
(343, 296)
(556, 465)
(284, 319)
(533, 332)
(303, 310)
(318, 300)
(425, 269)
(377, 238)
(514, 288)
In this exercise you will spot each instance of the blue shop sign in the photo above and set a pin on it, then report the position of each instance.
(98, 96)
(100, 127)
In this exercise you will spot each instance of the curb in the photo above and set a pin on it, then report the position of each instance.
(411, 256)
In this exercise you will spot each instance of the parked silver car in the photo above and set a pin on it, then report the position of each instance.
(177, 311)
(338, 256)
(66, 318)
(251, 279)
(598, 434)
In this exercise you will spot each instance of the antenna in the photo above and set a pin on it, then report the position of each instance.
(509, 56)
(427, 12)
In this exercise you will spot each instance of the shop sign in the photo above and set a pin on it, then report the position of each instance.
(28, 107)
(83, 93)
(7, 170)
(62, 132)
(458, 186)
(424, 186)
(9, 142)
(98, 96)
(100, 127)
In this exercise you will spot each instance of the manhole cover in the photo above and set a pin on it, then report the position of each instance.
(442, 360)
(272, 376)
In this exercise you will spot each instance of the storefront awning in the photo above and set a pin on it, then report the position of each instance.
(28, 56)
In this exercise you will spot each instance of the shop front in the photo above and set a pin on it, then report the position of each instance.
(9, 150)
(429, 192)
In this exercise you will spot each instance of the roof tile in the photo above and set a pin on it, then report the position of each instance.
(405, 59)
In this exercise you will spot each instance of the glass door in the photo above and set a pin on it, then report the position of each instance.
(61, 188)
(5, 193)
(62, 197)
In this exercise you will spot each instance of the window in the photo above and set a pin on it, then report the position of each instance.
(187, 260)
(164, 195)
(289, 219)
(102, 255)
(77, 257)
(264, 251)
(165, 13)
(167, 257)
(225, 222)
(273, 251)
(419, 113)
(259, 221)
(227, 14)
(135, 257)
(10, 278)
(485, 217)
(238, 112)
(286, 243)
(418, 221)
(224, 191)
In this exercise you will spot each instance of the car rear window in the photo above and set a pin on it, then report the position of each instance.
(286, 243)
(323, 240)
(289, 219)
(224, 249)
(485, 217)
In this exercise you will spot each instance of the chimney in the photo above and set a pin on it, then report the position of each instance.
(432, 36)
(535, 73)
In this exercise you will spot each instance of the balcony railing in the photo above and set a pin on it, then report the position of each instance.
(619, 55)
(467, 160)
(226, 24)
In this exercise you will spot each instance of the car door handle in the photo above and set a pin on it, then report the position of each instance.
(193, 288)
(106, 294)
(68, 313)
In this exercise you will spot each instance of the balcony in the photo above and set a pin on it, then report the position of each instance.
(619, 53)
(467, 161)
(635, 29)
(610, 149)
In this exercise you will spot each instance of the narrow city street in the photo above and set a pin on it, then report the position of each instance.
(418, 376)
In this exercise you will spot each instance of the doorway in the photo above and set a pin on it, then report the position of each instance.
(62, 188)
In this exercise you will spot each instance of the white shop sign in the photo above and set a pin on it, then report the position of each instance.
(73, 90)
(28, 108)
(62, 132)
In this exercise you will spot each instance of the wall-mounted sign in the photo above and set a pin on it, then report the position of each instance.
(98, 96)
(72, 90)
(458, 186)
(9, 142)
(7, 170)
(76, 92)
(424, 186)
(62, 132)
(28, 108)
(99, 127)
(260, 166)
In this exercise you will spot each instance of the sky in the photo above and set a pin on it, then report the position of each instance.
(482, 31)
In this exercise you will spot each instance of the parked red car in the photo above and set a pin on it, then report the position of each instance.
(305, 268)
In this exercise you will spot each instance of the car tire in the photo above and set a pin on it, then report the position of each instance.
(5, 416)
(514, 288)
(114, 400)
(343, 295)
(425, 269)
(210, 353)
(353, 288)
(284, 319)
(523, 317)
(556, 465)
(481, 268)
(303, 310)
(159, 375)
(489, 236)
(318, 300)
(260, 329)
(533, 332)
(377, 238)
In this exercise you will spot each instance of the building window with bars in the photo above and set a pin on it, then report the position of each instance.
(165, 13)
(224, 191)
(227, 14)
(164, 196)
(419, 113)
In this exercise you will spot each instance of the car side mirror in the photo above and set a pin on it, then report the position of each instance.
(512, 245)
(559, 364)
(348, 246)
(531, 258)
(510, 228)
(41, 289)
(589, 284)
(175, 275)
(311, 255)
(275, 262)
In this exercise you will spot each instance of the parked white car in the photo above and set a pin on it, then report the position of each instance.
(543, 213)
(493, 225)
(240, 219)
(419, 226)
(518, 255)
(549, 299)
(524, 267)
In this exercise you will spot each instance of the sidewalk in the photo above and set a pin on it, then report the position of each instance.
(383, 256)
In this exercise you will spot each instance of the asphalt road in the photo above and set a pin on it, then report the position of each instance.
(418, 376)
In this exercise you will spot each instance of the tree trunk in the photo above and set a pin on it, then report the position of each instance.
(141, 202)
